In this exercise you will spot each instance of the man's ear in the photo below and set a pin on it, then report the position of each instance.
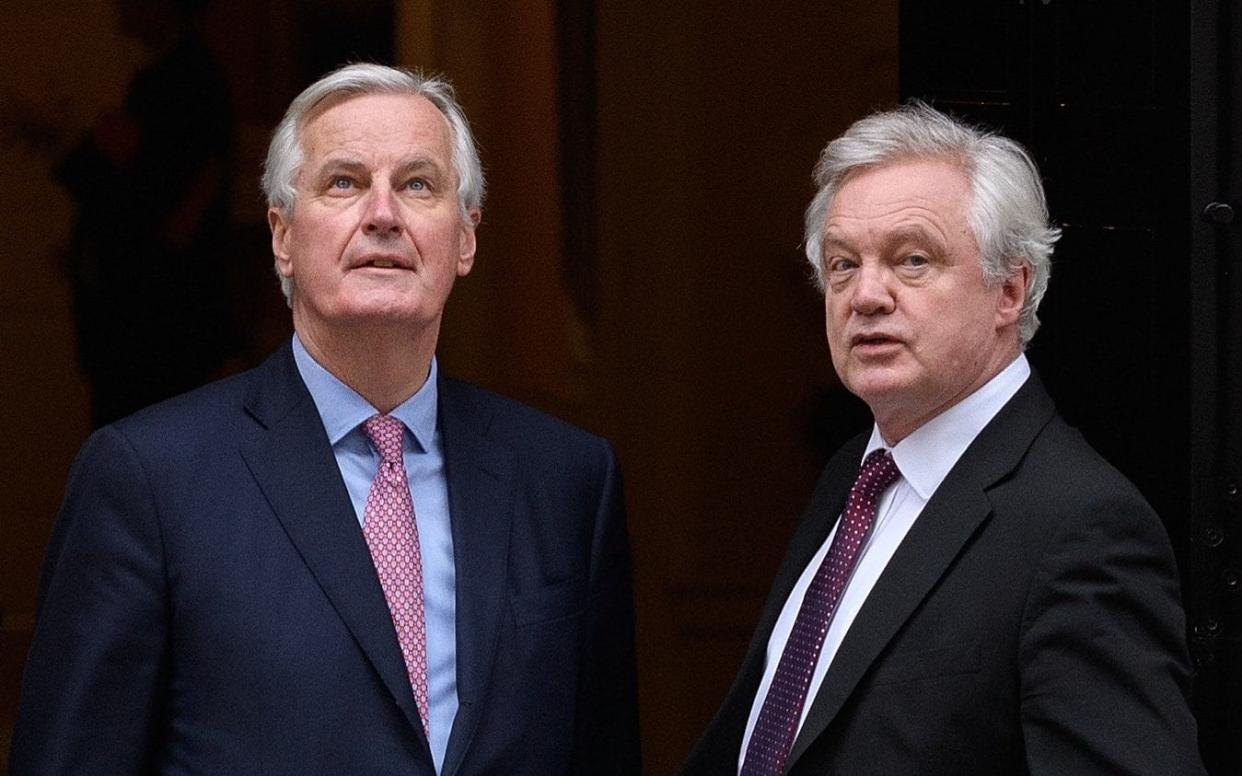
(280, 224)
(467, 243)
(1013, 296)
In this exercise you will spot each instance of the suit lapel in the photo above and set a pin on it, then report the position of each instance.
(945, 525)
(956, 510)
(720, 745)
(480, 485)
(294, 466)
(826, 505)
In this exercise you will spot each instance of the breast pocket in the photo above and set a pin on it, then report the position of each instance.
(561, 600)
(951, 660)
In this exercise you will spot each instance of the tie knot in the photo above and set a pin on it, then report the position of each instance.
(878, 471)
(385, 433)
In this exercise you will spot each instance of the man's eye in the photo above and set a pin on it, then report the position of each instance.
(841, 265)
(341, 183)
(416, 184)
(917, 260)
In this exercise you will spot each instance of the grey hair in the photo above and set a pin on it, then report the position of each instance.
(285, 155)
(1008, 214)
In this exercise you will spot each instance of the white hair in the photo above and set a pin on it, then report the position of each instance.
(285, 154)
(1008, 214)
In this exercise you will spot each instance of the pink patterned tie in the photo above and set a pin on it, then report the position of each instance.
(392, 536)
(777, 726)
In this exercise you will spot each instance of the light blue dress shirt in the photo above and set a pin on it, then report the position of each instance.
(343, 410)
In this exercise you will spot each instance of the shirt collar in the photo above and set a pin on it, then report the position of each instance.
(343, 409)
(926, 455)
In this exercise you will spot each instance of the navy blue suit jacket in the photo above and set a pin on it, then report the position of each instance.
(208, 603)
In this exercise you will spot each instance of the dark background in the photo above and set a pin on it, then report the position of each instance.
(639, 268)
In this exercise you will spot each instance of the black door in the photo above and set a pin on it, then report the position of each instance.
(1129, 107)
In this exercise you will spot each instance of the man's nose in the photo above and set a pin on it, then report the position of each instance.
(873, 291)
(380, 217)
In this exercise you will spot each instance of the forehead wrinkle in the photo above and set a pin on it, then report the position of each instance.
(919, 224)
(329, 128)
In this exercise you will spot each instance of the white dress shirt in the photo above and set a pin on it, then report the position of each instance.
(924, 459)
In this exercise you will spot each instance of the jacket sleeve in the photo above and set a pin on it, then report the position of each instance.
(606, 724)
(92, 682)
(1105, 674)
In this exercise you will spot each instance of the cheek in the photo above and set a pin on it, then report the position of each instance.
(837, 348)
(327, 235)
(835, 313)
(958, 337)
(831, 329)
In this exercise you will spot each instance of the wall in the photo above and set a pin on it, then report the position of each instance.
(704, 360)
(64, 79)
(712, 357)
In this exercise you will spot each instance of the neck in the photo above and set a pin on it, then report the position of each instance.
(384, 365)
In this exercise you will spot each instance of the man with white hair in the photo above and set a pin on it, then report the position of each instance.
(342, 562)
(972, 590)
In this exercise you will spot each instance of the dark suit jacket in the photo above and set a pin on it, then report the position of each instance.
(1028, 623)
(208, 603)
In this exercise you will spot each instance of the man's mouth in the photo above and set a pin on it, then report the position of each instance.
(872, 339)
(382, 262)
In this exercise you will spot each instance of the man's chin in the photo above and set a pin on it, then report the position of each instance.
(377, 315)
(887, 396)
(398, 306)
(396, 317)
(878, 383)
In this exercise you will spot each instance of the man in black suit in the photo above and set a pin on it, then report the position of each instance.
(342, 561)
(995, 598)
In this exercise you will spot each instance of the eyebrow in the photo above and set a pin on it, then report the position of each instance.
(419, 164)
(339, 165)
(833, 241)
(906, 233)
(346, 164)
(917, 234)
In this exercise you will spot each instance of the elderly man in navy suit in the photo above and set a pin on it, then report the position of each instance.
(342, 561)
(972, 590)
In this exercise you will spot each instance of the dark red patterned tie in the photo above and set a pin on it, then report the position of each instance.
(392, 536)
(777, 725)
